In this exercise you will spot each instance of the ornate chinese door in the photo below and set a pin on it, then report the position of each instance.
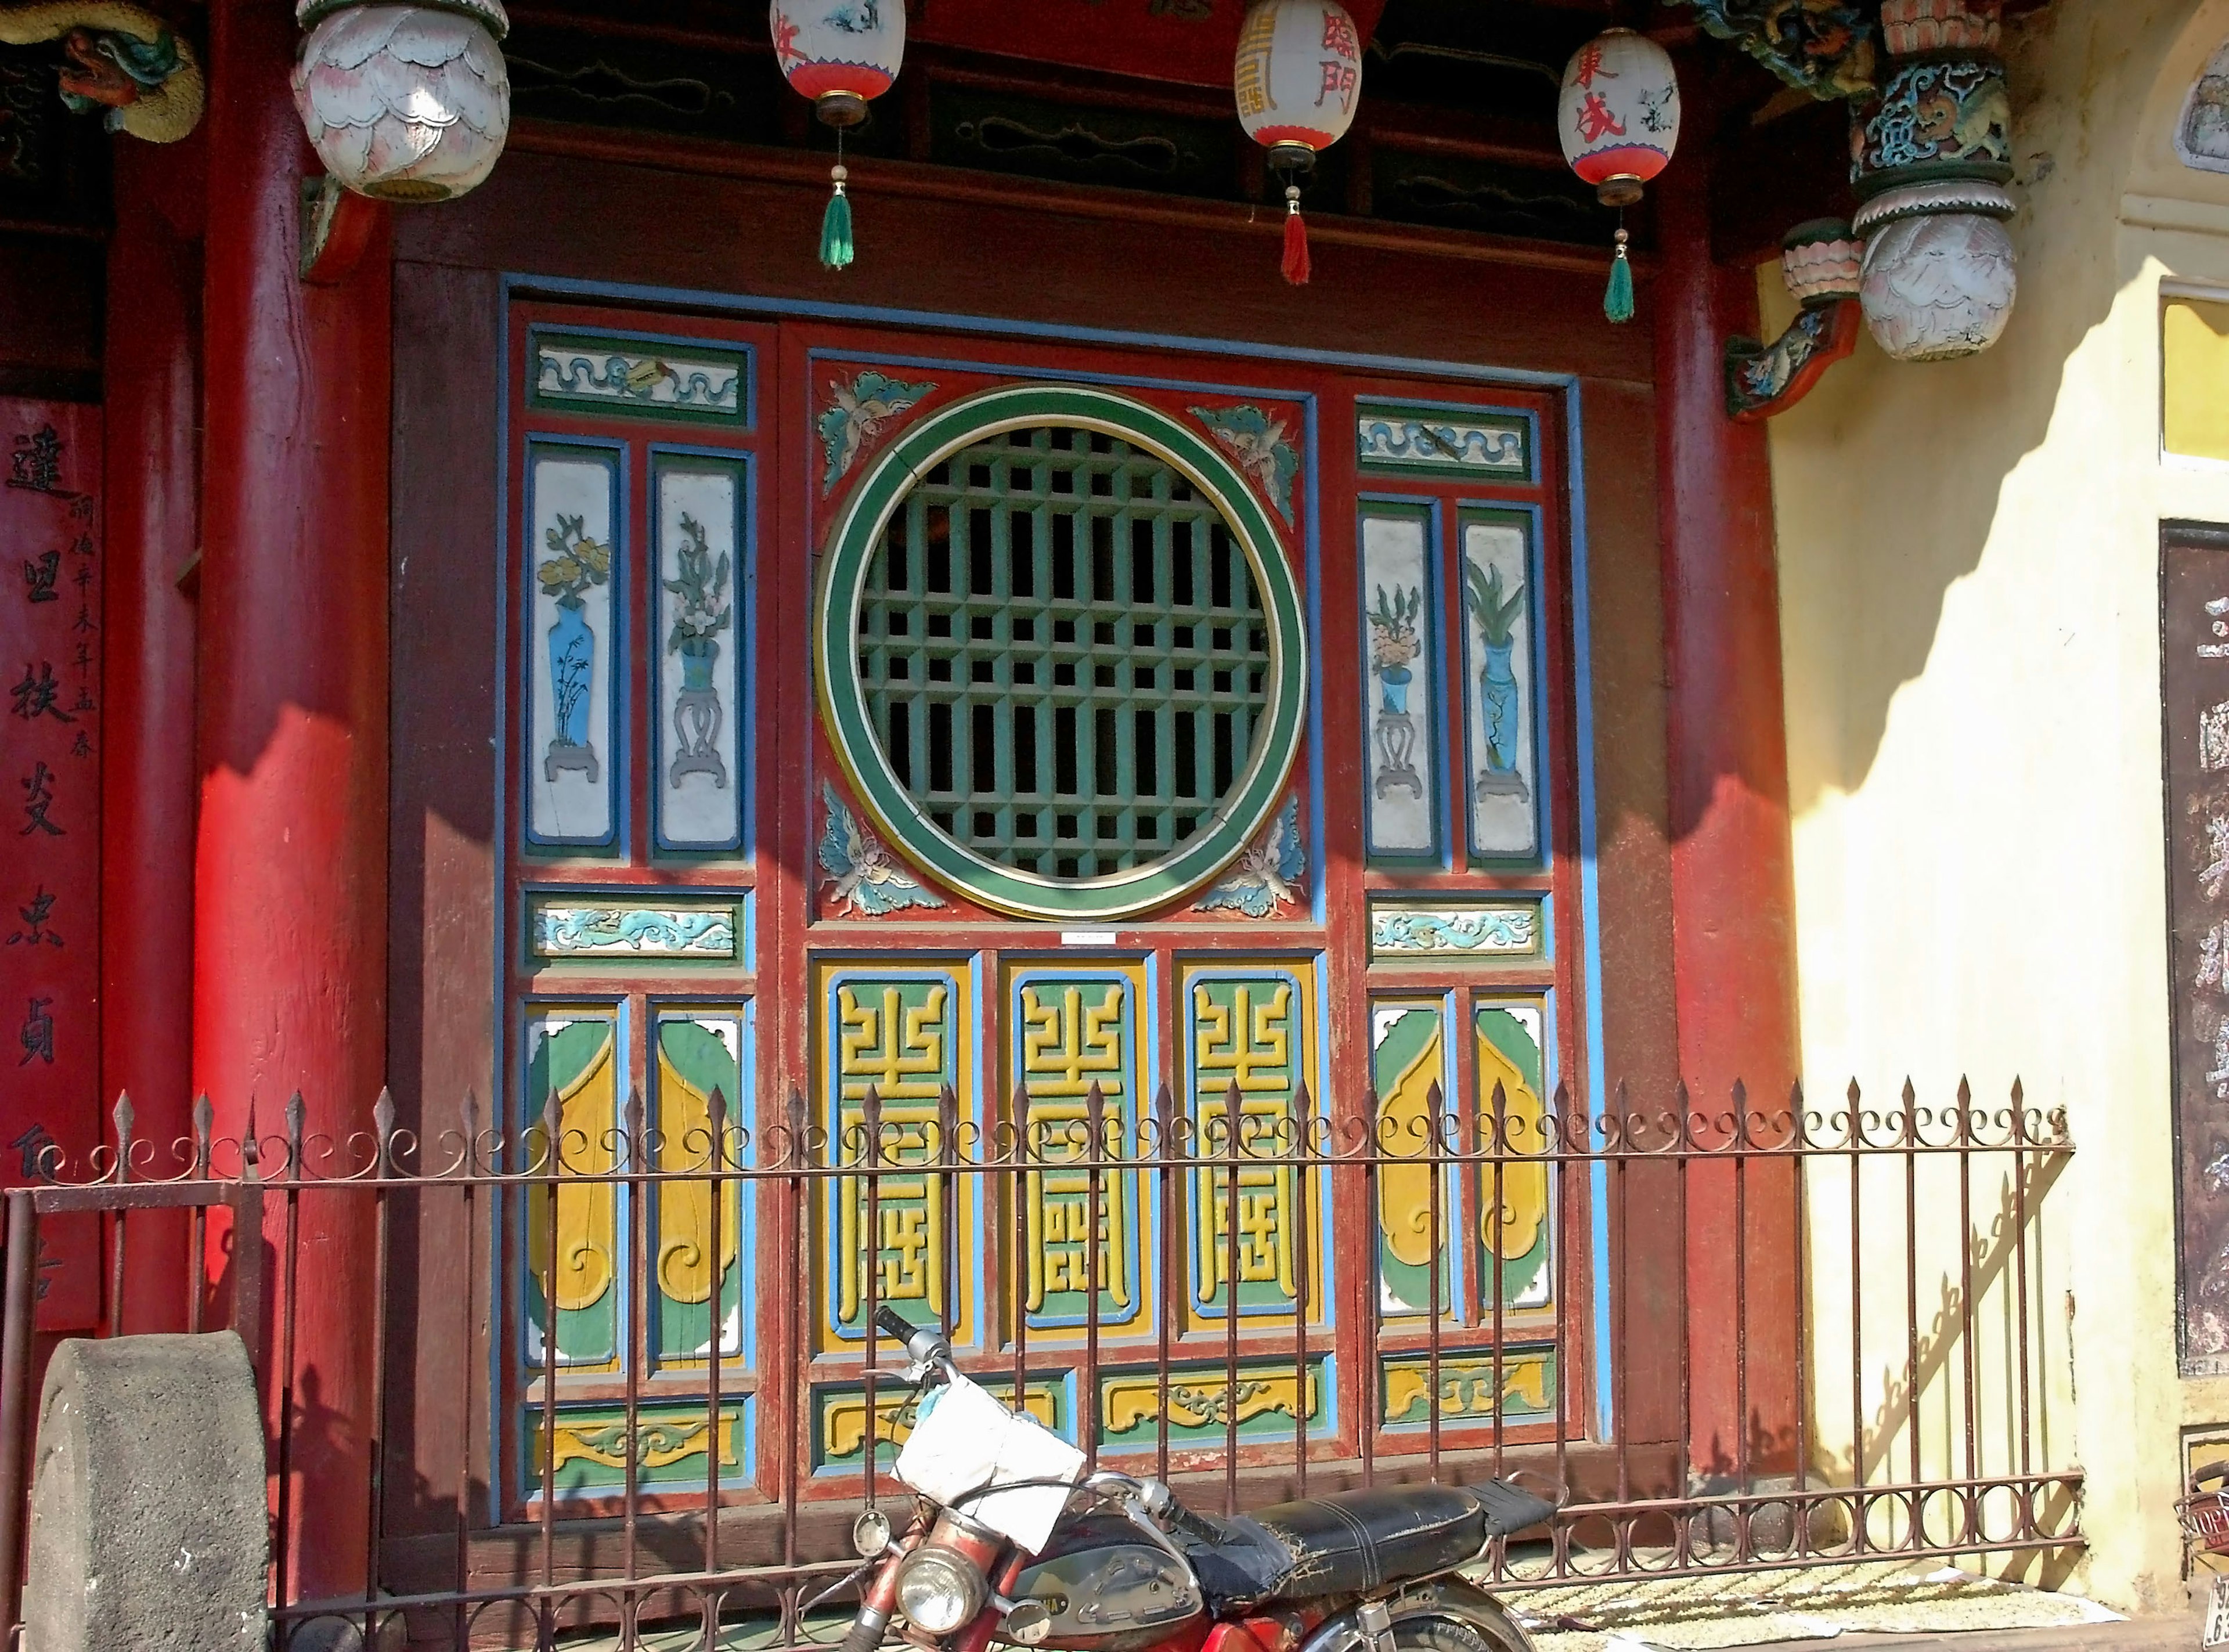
(1054, 757)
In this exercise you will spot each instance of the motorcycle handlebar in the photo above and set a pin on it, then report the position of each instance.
(924, 1345)
(1161, 1503)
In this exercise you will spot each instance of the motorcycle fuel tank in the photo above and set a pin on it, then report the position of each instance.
(1106, 1594)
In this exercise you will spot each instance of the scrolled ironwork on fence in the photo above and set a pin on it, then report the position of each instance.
(1736, 1337)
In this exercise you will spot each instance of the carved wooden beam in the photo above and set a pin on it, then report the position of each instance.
(1763, 380)
(120, 57)
(1828, 47)
(1823, 264)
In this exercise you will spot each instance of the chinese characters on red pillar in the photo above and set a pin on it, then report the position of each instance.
(50, 824)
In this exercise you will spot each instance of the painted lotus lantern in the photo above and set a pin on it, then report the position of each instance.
(1619, 120)
(1298, 77)
(843, 54)
(1940, 273)
(407, 103)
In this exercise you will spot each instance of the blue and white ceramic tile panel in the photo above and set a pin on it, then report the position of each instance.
(1504, 771)
(573, 646)
(700, 652)
(1400, 725)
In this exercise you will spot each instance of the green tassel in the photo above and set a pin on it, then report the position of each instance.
(836, 229)
(1617, 303)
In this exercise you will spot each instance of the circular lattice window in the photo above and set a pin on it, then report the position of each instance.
(1061, 654)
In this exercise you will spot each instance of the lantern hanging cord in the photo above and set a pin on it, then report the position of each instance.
(836, 248)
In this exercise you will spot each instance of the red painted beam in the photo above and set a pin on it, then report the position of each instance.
(1192, 41)
(151, 380)
(291, 859)
(1732, 863)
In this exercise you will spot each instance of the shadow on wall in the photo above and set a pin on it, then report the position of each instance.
(1891, 478)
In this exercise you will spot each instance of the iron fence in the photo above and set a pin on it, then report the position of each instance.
(1743, 1340)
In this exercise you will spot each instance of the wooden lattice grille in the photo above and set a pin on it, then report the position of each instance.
(1064, 652)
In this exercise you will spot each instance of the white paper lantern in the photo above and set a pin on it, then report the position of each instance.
(1619, 115)
(1297, 78)
(846, 49)
(405, 103)
(1298, 74)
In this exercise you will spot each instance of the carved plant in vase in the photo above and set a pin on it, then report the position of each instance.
(705, 611)
(1393, 645)
(1500, 698)
(576, 563)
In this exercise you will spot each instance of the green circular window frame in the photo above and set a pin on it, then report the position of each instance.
(857, 534)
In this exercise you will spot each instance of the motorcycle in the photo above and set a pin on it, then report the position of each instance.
(1010, 1542)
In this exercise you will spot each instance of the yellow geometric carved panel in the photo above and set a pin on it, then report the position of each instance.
(1251, 1025)
(1069, 1031)
(904, 1033)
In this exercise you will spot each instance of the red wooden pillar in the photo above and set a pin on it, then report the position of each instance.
(291, 873)
(1733, 896)
(151, 387)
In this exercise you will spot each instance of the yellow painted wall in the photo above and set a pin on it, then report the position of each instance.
(1969, 557)
(2194, 378)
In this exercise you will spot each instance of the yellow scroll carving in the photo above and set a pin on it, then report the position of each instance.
(843, 1419)
(1515, 1228)
(1404, 1191)
(684, 1208)
(588, 1227)
(1467, 1388)
(658, 1442)
(1129, 1401)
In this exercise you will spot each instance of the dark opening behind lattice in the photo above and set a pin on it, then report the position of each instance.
(1064, 652)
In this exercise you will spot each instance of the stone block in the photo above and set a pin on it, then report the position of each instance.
(148, 1527)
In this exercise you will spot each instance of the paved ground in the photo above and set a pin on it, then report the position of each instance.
(2142, 1635)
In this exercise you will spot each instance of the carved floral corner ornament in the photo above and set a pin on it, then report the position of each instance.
(856, 415)
(865, 880)
(1256, 442)
(1269, 875)
(121, 58)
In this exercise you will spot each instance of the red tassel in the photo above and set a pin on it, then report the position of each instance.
(1296, 264)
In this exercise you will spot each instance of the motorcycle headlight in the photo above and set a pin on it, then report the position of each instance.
(939, 1590)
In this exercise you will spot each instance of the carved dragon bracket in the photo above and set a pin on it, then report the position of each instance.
(121, 58)
(1928, 267)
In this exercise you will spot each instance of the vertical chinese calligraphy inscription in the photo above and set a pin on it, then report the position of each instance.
(50, 617)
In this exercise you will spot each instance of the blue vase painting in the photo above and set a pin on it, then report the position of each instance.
(576, 564)
(1395, 644)
(1499, 695)
(702, 610)
(1504, 750)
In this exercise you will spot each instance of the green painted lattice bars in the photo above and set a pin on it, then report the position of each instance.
(1073, 680)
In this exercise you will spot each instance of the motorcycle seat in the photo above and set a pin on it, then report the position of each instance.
(1355, 1541)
